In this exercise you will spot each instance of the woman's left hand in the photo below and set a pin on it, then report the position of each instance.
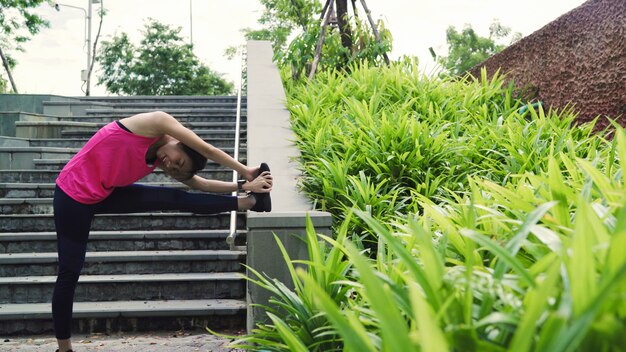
(261, 184)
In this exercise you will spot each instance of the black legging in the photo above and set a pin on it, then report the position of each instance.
(73, 222)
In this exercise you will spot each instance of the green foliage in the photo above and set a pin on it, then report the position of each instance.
(280, 18)
(300, 21)
(296, 322)
(162, 64)
(17, 22)
(467, 49)
(480, 226)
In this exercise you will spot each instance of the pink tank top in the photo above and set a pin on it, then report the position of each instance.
(112, 158)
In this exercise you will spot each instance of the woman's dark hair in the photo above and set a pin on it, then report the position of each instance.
(198, 162)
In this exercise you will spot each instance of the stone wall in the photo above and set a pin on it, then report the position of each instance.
(579, 59)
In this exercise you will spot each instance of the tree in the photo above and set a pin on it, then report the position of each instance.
(280, 18)
(467, 49)
(163, 64)
(294, 27)
(16, 24)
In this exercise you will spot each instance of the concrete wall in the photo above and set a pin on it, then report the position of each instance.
(270, 139)
(579, 58)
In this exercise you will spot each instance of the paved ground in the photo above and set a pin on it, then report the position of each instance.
(149, 342)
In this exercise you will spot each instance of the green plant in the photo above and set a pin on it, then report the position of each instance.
(478, 227)
(296, 320)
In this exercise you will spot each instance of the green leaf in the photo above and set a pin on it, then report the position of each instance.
(354, 334)
(431, 336)
(290, 337)
(515, 243)
(502, 254)
(395, 335)
(536, 303)
(418, 273)
(582, 263)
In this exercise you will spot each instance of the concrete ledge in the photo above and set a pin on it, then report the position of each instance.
(286, 220)
(271, 140)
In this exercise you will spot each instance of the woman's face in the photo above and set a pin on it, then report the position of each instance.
(174, 161)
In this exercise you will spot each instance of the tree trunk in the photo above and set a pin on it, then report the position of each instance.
(320, 40)
(8, 69)
(376, 34)
(344, 25)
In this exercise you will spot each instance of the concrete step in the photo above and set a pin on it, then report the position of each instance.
(26, 190)
(58, 142)
(207, 135)
(125, 222)
(69, 108)
(15, 206)
(126, 262)
(80, 142)
(147, 105)
(46, 190)
(157, 99)
(49, 129)
(183, 118)
(106, 288)
(59, 163)
(13, 158)
(26, 206)
(164, 106)
(57, 129)
(111, 317)
(124, 112)
(64, 124)
(211, 171)
(221, 143)
(142, 240)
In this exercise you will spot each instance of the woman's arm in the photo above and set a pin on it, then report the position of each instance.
(159, 123)
(261, 184)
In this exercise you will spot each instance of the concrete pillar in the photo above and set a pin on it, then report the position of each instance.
(264, 255)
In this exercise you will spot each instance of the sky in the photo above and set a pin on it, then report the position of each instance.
(54, 58)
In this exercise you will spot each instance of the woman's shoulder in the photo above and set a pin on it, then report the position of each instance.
(145, 124)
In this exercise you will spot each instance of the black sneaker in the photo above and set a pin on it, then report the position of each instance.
(263, 200)
(264, 167)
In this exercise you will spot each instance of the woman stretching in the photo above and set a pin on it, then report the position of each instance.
(99, 180)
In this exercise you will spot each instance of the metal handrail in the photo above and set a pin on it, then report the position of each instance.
(232, 234)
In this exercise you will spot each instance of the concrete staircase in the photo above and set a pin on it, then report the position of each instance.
(146, 271)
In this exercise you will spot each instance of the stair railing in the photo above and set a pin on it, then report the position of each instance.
(232, 234)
